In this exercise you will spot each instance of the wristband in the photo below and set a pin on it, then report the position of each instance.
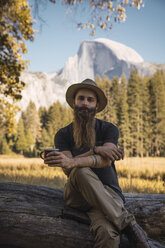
(95, 161)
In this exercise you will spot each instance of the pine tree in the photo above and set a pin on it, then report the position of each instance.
(105, 84)
(45, 140)
(58, 116)
(115, 99)
(20, 144)
(146, 133)
(123, 120)
(32, 121)
(135, 113)
(43, 114)
(4, 146)
(157, 109)
(30, 142)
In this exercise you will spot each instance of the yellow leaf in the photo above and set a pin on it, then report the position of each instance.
(110, 5)
(103, 25)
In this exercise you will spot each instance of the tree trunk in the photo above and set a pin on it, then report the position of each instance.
(34, 216)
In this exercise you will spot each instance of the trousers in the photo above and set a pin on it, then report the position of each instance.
(105, 208)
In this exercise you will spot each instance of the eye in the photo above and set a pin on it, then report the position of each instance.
(81, 98)
(91, 99)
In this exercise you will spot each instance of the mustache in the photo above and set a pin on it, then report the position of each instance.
(88, 110)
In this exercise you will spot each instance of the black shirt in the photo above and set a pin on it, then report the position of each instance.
(105, 132)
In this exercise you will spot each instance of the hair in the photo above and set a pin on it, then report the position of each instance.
(84, 128)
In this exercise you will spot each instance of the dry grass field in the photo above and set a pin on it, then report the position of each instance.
(142, 175)
(136, 175)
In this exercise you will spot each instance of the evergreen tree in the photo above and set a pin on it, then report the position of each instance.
(30, 142)
(135, 112)
(43, 114)
(4, 147)
(32, 121)
(146, 134)
(45, 140)
(58, 117)
(105, 84)
(20, 144)
(157, 109)
(115, 100)
(123, 123)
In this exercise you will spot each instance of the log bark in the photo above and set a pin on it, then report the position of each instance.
(34, 216)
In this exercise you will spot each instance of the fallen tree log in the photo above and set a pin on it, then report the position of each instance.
(34, 216)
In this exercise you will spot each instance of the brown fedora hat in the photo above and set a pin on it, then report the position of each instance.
(86, 84)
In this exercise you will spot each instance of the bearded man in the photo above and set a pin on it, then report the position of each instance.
(88, 149)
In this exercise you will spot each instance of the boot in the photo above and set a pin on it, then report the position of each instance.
(136, 236)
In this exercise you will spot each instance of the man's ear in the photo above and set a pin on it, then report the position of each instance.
(97, 106)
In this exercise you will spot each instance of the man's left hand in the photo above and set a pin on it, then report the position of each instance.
(110, 151)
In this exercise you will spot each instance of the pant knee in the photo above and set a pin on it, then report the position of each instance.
(79, 174)
(105, 237)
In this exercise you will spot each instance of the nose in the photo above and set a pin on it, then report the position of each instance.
(85, 102)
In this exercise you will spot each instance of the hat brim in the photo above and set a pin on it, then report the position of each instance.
(71, 91)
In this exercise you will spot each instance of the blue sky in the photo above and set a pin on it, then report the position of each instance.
(59, 39)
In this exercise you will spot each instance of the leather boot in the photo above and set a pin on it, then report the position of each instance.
(137, 236)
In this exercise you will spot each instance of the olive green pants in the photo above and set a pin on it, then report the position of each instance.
(103, 205)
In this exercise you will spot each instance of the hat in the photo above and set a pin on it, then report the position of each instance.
(86, 84)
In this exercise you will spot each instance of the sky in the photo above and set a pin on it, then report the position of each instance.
(57, 38)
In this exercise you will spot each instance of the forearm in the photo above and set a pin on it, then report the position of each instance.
(88, 160)
(93, 161)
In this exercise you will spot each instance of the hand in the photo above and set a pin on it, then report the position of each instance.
(110, 151)
(58, 159)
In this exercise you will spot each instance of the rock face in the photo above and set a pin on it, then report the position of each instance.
(35, 216)
(101, 57)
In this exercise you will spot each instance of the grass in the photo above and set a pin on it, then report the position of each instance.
(136, 175)
(30, 171)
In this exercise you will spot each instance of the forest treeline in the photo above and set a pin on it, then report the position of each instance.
(136, 106)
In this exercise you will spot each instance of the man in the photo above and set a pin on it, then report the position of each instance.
(88, 149)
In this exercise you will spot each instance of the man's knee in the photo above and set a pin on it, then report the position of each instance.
(79, 174)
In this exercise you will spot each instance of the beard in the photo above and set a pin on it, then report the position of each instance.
(84, 127)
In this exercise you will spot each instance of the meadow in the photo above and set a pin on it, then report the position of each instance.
(136, 175)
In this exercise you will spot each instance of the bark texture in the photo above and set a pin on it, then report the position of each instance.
(34, 216)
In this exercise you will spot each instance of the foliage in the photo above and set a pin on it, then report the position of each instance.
(15, 28)
(31, 121)
(20, 144)
(123, 120)
(101, 13)
(136, 106)
(157, 112)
